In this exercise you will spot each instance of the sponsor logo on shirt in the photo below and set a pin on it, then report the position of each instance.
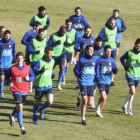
(7, 53)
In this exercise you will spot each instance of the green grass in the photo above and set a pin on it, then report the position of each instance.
(63, 118)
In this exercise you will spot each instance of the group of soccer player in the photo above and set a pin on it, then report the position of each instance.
(96, 64)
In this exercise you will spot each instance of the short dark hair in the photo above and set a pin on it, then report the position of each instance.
(7, 32)
(87, 27)
(19, 54)
(67, 21)
(77, 8)
(41, 8)
(107, 47)
(36, 23)
(47, 49)
(62, 28)
(115, 10)
(88, 46)
(40, 30)
(137, 41)
(99, 39)
(2, 27)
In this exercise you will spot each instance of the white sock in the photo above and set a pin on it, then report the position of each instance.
(83, 118)
(127, 100)
(130, 102)
(98, 108)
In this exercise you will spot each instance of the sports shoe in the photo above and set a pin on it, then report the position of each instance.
(12, 120)
(41, 113)
(63, 81)
(83, 122)
(2, 96)
(130, 112)
(98, 114)
(112, 84)
(78, 101)
(23, 131)
(59, 87)
(124, 110)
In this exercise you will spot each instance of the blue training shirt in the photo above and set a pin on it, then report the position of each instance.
(104, 67)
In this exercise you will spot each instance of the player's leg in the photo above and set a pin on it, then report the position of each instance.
(2, 76)
(95, 88)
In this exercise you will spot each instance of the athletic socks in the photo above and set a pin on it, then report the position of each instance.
(14, 111)
(35, 110)
(45, 105)
(61, 75)
(1, 87)
(130, 102)
(20, 119)
(127, 100)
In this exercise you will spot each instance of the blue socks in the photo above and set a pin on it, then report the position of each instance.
(14, 111)
(45, 105)
(1, 87)
(20, 119)
(61, 75)
(35, 110)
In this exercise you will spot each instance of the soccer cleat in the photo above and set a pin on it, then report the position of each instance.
(78, 101)
(98, 114)
(112, 84)
(12, 120)
(63, 82)
(83, 122)
(23, 131)
(130, 112)
(124, 110)
(2, 96)
(42, 114)
(59, 87)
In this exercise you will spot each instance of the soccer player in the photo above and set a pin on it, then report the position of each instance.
(7, 55)
(29, 36)
(43, 83)
(42, 18)
(57, 41)
(19, 76)
(2, 30)
(105, 65)
(36, 47)
(131, 62)
(85, 71)
(121, 27)
(82, 42)
(78, 23)
(69, 44)
(98, 52)
(108, 35)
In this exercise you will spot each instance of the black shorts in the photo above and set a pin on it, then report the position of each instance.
(132, 82)
(27, 59)
(87, 90)
(39, 94)
(104, 87)
(113, 54)
(60, 60)
(3, 71)
(20, 99)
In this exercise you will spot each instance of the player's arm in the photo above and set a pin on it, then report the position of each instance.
(123, 58)
(30, 48)
(114, 68)
(8, 76)
(24, 39)
(97, 70)
(85, 22)
(32, 21)
(47, 23)
(77, 69)
(123, 27)
(101, 34)
(14, 52)
(51, 42)
(36, 68)
(31, 75)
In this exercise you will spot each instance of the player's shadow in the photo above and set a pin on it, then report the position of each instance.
(14, 135)
(114, 112)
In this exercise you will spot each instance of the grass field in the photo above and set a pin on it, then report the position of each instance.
(63, 118)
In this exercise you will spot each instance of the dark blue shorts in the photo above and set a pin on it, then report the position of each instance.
(132, 82)
(27, 59)
(118, 45)
(60, 60)
(20, 99)
(69, 57)
(3, 71)
(104, 87)
(87, 90)
(39, 94)
(113, 54)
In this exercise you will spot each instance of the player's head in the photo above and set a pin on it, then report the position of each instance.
(115, 13)
(41, 34)
(41, 11)
(137, 45)
(19, 58)
(62, 30)
(48, 52)
(111, 23)
(107, 51)
(98, 42)
(89, 50)
(7, 35)
(87, 31)
(78, 11)
(68, 23)
(2, 30)
(36, 26)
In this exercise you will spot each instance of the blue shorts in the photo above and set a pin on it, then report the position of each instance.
(27, 59)
(20, 99)
(104, 87)
(87, 90)
(39, 94)
(3, 71)
(69, 57)
(113, 54)
(118, 45)
(60, 60)
(132, 82)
